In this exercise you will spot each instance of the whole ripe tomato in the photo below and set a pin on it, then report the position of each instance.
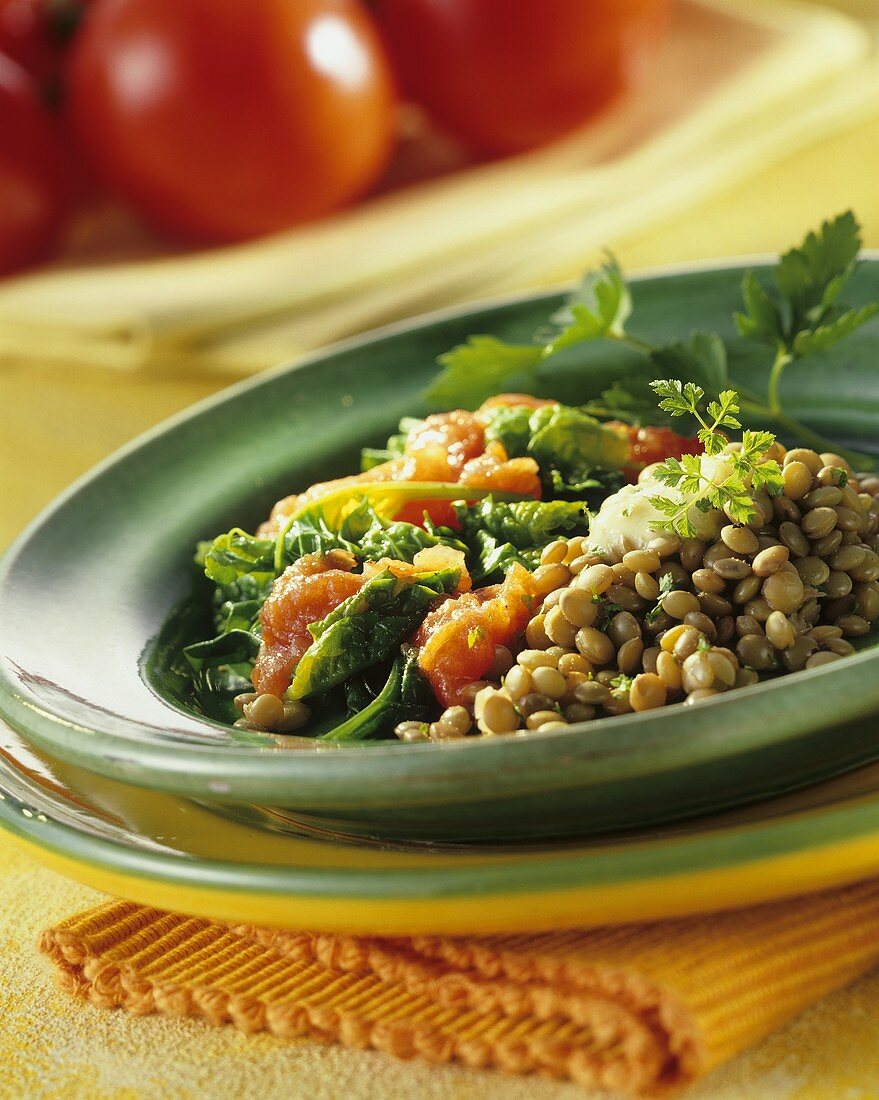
(34, 172)
(504, 76)
(222, 120)
(25, 36)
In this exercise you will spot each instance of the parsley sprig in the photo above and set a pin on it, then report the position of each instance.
(800, 313)
(667, 584)
(743, 472)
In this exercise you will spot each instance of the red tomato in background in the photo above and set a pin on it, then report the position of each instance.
(26, 37)
(222, 120)
(34, 172)
(504, 76)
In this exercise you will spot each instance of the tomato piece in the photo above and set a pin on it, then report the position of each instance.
(444, 447)
(513, 401)
(457, 640)
(440, 445)
(651, 445)
(25, 37)
(305, 593)
(34, 193)
(493, 470)
(504, 76)
(221, 120)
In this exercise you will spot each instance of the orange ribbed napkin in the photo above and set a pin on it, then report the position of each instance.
(637, 1007)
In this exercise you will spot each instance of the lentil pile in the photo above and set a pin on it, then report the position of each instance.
(682, 620)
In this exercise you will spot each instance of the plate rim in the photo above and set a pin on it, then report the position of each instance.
(335, 899)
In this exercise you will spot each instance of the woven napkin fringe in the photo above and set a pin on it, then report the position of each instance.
(636, 1008)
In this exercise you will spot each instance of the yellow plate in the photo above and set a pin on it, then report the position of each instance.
(175, 854)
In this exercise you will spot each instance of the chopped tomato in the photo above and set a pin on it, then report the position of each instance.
(440, 445)
(305, 593)
(445, 447)
(457, 640)
(494, 470)
(431, 559)
(513, 400)
(651, 445)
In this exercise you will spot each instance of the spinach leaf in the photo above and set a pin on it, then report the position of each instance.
(366, 628)
(510, 425)
(576, 453)
(235, 553)
(312, 535)
(402, 541)
(368, 535)
(571, 440)
(499, 534)
(525, 523)
(406, 695)
(235, 648)
(238, 614)
(586, 485)
(236, 605)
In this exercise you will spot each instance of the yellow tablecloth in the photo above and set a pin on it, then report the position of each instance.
(52, 427)
(53, 1047)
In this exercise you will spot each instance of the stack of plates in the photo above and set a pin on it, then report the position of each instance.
(106, 775)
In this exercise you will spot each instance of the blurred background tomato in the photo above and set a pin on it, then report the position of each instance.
(505, 76)
(35, 182)
(32, 32)
(220, 120)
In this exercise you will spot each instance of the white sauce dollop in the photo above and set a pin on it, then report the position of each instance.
(625, 520)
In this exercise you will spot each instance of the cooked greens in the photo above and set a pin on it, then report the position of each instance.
(405, 695)
(498, 534)
(366, 628)
(575, 451)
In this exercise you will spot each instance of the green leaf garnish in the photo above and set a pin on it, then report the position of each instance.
(481, 367)
(599, 308)
(800, 315)
(701, 360)
(485, 365)
(666, 585)
(749, 469)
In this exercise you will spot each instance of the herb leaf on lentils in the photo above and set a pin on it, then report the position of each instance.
(732, 485)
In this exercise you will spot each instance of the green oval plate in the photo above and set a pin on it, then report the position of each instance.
(168, 852)
(87, 588)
